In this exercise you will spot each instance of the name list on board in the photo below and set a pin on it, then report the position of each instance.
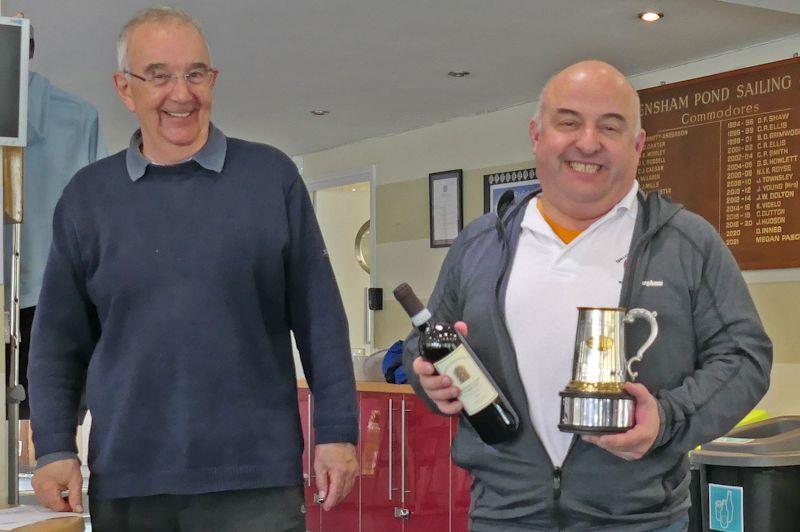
(726, 146)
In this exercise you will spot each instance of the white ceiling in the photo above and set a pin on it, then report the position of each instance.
(790, 6)
(380, 66)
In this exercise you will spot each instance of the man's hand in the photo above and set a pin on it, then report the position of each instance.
(335, 466)
(49, 481)
(633, 444)
(440, 388)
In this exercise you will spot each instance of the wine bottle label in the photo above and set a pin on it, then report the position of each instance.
(476, 391)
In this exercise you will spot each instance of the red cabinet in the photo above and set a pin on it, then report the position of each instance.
(407, 482)
(380, 461)
(426, 449)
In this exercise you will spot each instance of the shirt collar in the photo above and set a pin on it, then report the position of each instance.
(211, 156)
(627, 206)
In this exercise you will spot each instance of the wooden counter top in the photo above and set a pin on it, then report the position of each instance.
(372, 386)
(59, 524)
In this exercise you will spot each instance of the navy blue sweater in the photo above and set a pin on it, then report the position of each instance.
(172, 298)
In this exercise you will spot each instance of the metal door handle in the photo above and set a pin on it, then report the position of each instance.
(403, 452)
(391, 450)
(402, 513)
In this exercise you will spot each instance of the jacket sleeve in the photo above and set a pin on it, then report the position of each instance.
(733, 359)
(445, 304)
(318, 321)
(65, 332)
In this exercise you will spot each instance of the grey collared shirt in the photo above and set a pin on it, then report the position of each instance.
(211, 156)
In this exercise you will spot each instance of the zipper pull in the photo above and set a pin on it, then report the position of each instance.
(556, 483)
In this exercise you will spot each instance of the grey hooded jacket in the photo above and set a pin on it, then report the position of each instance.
(708, 367)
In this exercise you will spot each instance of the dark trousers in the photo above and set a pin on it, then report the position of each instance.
(267, 510)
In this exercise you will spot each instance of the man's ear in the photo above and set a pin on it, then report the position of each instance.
(533, 131)
(123, 86)
(214, 79)
(640, 138)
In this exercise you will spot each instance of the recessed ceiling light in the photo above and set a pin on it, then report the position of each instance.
(651, 16)
(320, 112)
(458, 73)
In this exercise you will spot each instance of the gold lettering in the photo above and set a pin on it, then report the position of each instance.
(763, 86)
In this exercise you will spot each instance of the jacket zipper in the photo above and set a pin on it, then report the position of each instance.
(559, 516)
(556, 483)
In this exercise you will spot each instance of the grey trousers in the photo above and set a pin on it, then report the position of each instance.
(267, 510)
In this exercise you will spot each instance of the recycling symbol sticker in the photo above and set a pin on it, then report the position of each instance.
(725, 508)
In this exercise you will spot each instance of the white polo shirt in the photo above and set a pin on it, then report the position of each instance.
(548, 281)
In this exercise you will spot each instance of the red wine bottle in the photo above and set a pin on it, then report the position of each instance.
(484, 406)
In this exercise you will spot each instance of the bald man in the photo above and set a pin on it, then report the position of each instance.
(592, 238)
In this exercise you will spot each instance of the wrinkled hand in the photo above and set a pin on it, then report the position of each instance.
(335, 466)
(49, 481)
(440, 388)
(634, 444)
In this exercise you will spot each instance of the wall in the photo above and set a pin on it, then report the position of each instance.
(499, 139)
(341, 211)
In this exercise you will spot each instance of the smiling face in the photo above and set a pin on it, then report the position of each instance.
(175, 118)
(586, 143)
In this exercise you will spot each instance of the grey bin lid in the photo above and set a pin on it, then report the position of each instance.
(770, 443)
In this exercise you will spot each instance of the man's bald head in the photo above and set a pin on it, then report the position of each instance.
(587, 140)
(591, 71)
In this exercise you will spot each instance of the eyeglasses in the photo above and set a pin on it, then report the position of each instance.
(196, 76)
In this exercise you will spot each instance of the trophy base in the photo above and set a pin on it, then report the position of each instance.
(596, 413)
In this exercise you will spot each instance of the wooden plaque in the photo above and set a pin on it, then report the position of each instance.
(727, 147)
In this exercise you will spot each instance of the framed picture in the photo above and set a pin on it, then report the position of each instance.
(445, 201)
(521, 182)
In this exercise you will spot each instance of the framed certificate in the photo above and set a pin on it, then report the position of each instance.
(445, 201)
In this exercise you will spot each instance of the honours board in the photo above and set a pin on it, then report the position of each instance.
(727, 147)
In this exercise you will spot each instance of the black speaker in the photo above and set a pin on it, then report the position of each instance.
(375, 298)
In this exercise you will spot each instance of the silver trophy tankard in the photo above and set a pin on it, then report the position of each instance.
(595, 402)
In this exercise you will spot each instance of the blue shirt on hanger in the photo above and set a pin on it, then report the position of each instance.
(63, 137)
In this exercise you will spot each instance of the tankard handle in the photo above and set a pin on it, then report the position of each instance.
(630, 317)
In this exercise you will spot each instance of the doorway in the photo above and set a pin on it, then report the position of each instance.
(345, 207)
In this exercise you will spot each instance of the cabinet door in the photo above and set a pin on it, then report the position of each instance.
(460, 486)
(427, 467)
(380, 461)
(306, 404)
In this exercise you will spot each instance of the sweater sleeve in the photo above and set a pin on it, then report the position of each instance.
(734, 357)
(319, 323)
(65, 331)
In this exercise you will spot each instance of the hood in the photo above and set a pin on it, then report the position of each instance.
(656, 211)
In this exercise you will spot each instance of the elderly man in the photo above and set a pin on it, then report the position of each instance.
(178, 268)
(591, 238)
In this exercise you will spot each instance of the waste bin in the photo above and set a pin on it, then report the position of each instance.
(750, 478)
(695, 510)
